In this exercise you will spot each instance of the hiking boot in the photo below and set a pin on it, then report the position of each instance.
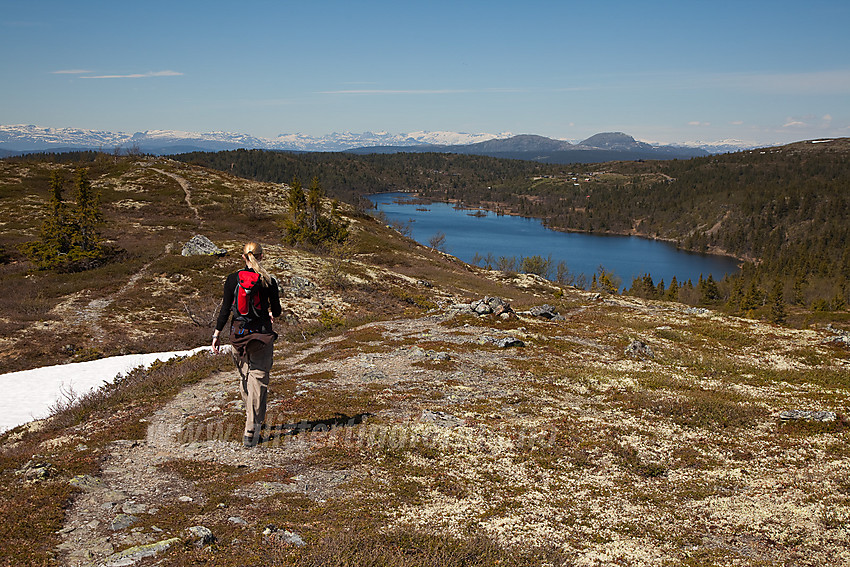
(250, 439)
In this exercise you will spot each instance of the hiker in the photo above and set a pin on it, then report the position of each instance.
(251, 297)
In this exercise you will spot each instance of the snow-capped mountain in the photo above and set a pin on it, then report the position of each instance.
(722, 146)
(37, 138)
(27, 138)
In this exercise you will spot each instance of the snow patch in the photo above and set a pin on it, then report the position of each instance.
(29, 394)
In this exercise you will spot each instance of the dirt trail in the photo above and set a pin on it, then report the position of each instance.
(187, 189)
(134, 482)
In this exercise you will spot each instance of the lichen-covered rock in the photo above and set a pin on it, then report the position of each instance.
(199, 535)
(638, 349)
(86, 482)
(791, 415)
(284, 537)
(545, 311)
(503, 342)
(200, 245)
(35, 471)
(135, 554)
(122, 521)
(490, 306)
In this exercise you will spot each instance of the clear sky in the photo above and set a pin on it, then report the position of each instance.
(763, 71)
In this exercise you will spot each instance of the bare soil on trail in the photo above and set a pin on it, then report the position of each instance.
(187, 190)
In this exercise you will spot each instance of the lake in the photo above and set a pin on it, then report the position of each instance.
(473, 231)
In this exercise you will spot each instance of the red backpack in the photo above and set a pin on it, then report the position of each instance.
(246, 299)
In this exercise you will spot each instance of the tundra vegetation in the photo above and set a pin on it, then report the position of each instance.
(624, 431)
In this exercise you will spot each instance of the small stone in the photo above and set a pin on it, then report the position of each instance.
(503, 342)
(639, 349)
(374, 375)
(85, 482)
(200, 535)
(237, 520)
(131, 507)
(441, 419)
(186, 499)
(122, 521)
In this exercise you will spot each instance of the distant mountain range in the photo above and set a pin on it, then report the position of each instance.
(609, 146)
(15, 139)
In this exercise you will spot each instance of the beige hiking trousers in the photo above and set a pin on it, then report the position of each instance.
(254, 385)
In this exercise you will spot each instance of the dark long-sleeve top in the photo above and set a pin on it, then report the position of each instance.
(269, 301)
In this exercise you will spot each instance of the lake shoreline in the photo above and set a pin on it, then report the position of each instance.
(501, 209)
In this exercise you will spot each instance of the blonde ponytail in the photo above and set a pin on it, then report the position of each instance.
(250, 253)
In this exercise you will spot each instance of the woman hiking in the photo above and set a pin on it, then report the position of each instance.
(251, 297)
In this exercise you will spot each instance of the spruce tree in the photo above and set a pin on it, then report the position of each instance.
(777, 303)
(69, 238)
(307, 221)
(673, 290)
(86, 218)
(294, 222)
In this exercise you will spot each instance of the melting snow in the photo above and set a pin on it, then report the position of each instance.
(29, 394)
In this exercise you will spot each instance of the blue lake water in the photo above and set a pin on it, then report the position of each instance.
(510, 236)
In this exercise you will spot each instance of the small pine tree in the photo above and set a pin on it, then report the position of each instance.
(798, 298)
(69, 238)
(294, 222)
(736, 296)
(307, 221)
(752, 300)
(777, 303)
(709, 292)
(86, 218)
(673, 290)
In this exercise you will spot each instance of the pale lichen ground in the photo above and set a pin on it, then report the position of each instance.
(586, 450)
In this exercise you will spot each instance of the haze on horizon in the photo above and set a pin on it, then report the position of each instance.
(667, 72)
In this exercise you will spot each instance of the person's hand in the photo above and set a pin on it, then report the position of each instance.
(216, 342)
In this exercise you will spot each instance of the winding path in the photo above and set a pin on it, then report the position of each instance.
(187, 189)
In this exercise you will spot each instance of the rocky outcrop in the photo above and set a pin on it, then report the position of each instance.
(495, 306)
(545, 311)
(200, 245)
(795, 415)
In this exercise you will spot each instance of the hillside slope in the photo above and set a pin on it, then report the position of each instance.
(404, 428)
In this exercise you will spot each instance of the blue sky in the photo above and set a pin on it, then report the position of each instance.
(760, 71)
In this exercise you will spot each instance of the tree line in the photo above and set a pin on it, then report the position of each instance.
(783, 210)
